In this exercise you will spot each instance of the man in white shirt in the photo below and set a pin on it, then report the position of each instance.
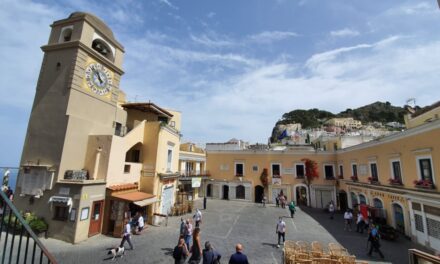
(198, 217)
(331, 210)
(140, 223)
(281, 231)
(348, 217)
(127, 236)
(360, 223)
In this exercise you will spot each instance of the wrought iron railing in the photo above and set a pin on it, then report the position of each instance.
(419, 257)
(18, 243)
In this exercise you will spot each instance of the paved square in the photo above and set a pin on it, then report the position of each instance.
(225, 223)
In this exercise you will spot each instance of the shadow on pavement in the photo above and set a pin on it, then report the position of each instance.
(168, 251)
(269, 244)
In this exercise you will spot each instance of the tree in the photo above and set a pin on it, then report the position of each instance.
(311, 172)
(264, 178)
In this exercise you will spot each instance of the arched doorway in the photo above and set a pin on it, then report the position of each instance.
(354, 200)
(301, 195)
(239, 192)
(259, 192)
(399, 220)
(362, 199)
(225, 192)
(377, 203)
(209, 190)
(343, 203)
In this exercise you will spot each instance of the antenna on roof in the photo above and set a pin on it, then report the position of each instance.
(412, 101)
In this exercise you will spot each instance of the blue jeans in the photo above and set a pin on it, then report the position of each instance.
(188, 240)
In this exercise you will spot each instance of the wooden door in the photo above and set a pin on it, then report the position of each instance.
(96, 218)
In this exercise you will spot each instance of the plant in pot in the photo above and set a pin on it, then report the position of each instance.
(354, 178)
(427, 184)
(395, 181)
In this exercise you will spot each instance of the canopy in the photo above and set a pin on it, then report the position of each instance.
(139, 198)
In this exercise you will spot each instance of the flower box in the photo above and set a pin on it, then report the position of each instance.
(373, 181)
(354, 178)
(424, 184)
(395, 181)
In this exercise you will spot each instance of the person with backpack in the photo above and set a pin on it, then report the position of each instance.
(373, 238)
(210, 256)
(292, 209)
(180, 252)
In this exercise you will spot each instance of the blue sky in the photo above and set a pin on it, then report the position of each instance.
(234, 67)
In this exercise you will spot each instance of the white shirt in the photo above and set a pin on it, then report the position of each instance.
(281, 227)
(127, 229)
(198, 216)
(360, 218)
(348, 215)
(331, 208)
(141, 221)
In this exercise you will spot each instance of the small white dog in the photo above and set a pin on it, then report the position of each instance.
(117, 251)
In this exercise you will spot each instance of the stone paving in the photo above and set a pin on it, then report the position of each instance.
(225, 223)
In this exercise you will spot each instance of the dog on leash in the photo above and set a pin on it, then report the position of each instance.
(117, 251)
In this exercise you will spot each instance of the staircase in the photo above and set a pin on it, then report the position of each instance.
(18, 243)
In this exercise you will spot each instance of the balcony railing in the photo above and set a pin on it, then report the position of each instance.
(194, 173)
(18, 243)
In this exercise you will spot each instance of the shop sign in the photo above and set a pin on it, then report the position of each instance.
(196, 182)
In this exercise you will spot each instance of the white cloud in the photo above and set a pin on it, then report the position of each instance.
(272, 36)
(346, 32)
(215, 42)
(211, 14)
(168, 3)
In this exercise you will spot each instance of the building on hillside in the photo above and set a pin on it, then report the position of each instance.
(192, 169)
(347, 122)
(94, 159)
(232, 144)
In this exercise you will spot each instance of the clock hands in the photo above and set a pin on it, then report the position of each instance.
(99, 77)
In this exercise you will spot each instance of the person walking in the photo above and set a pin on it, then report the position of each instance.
(182, 228)
(360, 223)
(180, 252)
(281, 231)
(331, 209)
(277, 201)
(292, 208)
(373, 239)
(263, 200)
(196, 249)
(238, 257)
(198, 218)
(188, 232)
(210, 255)
(205, 200)
(282, 201)
(348, 217)
(126, 236)
(140, 223)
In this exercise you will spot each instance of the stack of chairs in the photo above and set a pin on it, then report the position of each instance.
(315, 253)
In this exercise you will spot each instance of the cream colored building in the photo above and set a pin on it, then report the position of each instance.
(90, 160)
(347, 122)
(192, 168)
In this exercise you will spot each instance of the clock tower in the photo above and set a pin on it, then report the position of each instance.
(76, 99)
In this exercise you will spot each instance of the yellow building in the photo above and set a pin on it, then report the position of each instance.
(347, 122)
(192, 168)
(91, 158)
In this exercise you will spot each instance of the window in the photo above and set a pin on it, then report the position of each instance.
(173, 124)
(118, 129)
(362, 199)
(397, 173)
(335, 146)
(102, 48)
(169, 159)
(433, 227)
(255, 168)
(276, 170)
(341, 172)
(61, 212)
(127, 168)
(425, 169)
(419, 222)
(354, 170)
(328, 170)
(377, 203)
(239, 169)
(373, 170)
(300, 171)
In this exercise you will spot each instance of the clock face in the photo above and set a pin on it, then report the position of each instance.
(98, 78)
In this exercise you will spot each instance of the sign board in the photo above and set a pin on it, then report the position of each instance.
(363, 169)
(196, 182)
(276, 180)
(288, 171)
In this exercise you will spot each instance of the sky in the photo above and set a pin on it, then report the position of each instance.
(234, 67)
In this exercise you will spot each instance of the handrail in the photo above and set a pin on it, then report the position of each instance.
(28, 229)
(416, 255)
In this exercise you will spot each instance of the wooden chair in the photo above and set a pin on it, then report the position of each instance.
(349, 259)
(302, 246)
(324, 261)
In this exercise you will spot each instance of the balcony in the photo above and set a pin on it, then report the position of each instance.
(194, 173)
(79, 177)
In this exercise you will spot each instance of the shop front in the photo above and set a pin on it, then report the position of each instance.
(124, 203)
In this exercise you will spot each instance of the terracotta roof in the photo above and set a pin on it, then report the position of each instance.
(148, 107)
(134, 196)
(121, 187)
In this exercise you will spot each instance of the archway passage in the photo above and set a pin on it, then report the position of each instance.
(209, 190)
(239, 192)
(343, 202)
(225, 192)
(301, 195)
(399, 219)
(354, 200)
(259, 192)
(362, 199)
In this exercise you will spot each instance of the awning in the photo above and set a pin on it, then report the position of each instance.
(138, 198)
(146, 202)
(61, 199)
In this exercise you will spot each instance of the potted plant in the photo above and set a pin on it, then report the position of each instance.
(395, 181)
(38, 225)
(264, 178)
(373, 180)
(354, 178)
(426, 184)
